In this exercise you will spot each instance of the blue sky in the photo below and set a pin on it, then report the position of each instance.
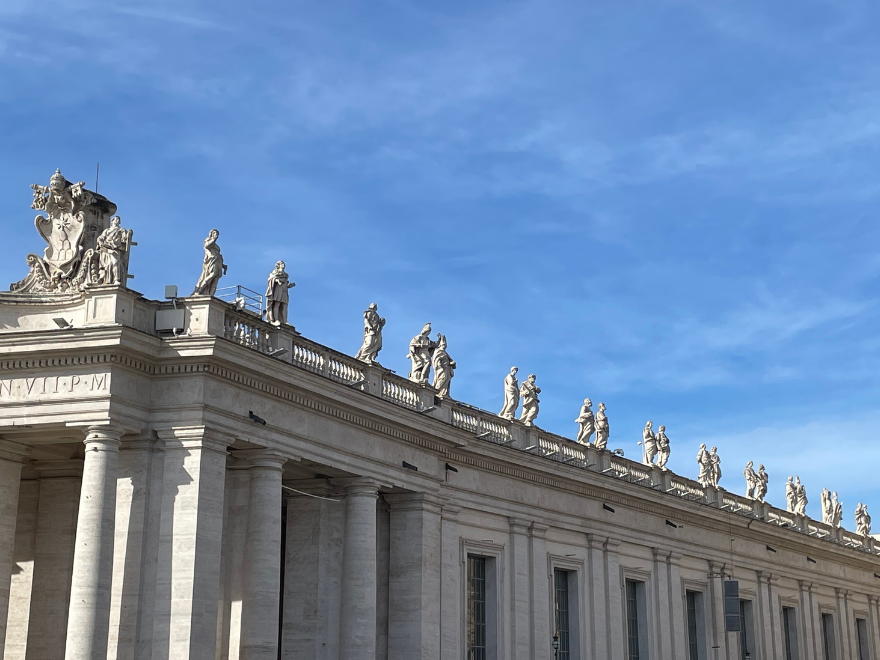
(669, 206)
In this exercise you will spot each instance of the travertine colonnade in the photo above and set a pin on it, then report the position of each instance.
(191, 496)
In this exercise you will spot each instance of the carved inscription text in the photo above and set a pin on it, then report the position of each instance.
(38, 388)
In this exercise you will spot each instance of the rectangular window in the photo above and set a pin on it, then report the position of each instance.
(746, 630)
(862, 634)
(636, 620)
(789, 633)
(560, 579)
(696, 629)
(476, 608)
(828, 646)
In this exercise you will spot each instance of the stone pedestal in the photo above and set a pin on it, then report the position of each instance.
(357, 630)
(414, 577)
(190, 541)
(88, 624)
(54, 544)
(262, 559)
(11, 457)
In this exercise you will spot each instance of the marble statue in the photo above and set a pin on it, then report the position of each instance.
(763, 482)
(863, 520)
(511, 395)
(113, 246)
(72, 260)
(529, 392)
(801, 497)
(421, 348)
(663, 449)
(707, 471)
(587, 423)
(751, 481)
(790, 495)
(277, 295)
(827, 506)
(444, 367)
(716, 467)
(602, 429)
(649, 444)
(836, 510)
(373, 324)
(213, 267)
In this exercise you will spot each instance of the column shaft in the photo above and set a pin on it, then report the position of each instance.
(599, 611)
(262, 560)
(10, 483)
(542, 634)
(414, 578)
(237, 492)
(22, 579)
(520, 591)
(89, 617)
(615, 600)
(357, 631)
(312, 577)
(135, 550)
(450, 595)
(190, 543)
(54, 544)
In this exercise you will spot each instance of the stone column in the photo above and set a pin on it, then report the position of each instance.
(414, 578)
(312, 573)
(520, 590)
(810, 648)
(676, 606)
(450, 588)
(88, 624)
(11, 456)
(262, 559)
(542, 634)
(615, 600)
(22, 579)
(54, 543)
(663, 618)
(600, 645)
(135, 554)
(235, 508)
(357, 630)
(190, 543)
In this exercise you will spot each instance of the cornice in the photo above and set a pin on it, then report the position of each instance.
(474, 456)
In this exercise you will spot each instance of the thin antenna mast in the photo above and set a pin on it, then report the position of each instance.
(97, 174)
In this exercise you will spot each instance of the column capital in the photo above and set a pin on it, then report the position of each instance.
(13, 451)
(675, 558)
(451, 512)
(612, 545)
(195, 437)
(413, 501)
(595, 542)
(538, 530)
(261, 458)
(519, 525)
(361, 486)
(103, 438)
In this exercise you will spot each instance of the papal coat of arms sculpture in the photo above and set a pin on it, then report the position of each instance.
(86, 244)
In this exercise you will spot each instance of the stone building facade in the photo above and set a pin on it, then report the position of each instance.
(227, 488)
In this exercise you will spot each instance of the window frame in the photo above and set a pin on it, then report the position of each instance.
(790, 642)
(495, 577)
(747, 627)
(641, 587)
(829, 637)
(863, 649)
(577, 604)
